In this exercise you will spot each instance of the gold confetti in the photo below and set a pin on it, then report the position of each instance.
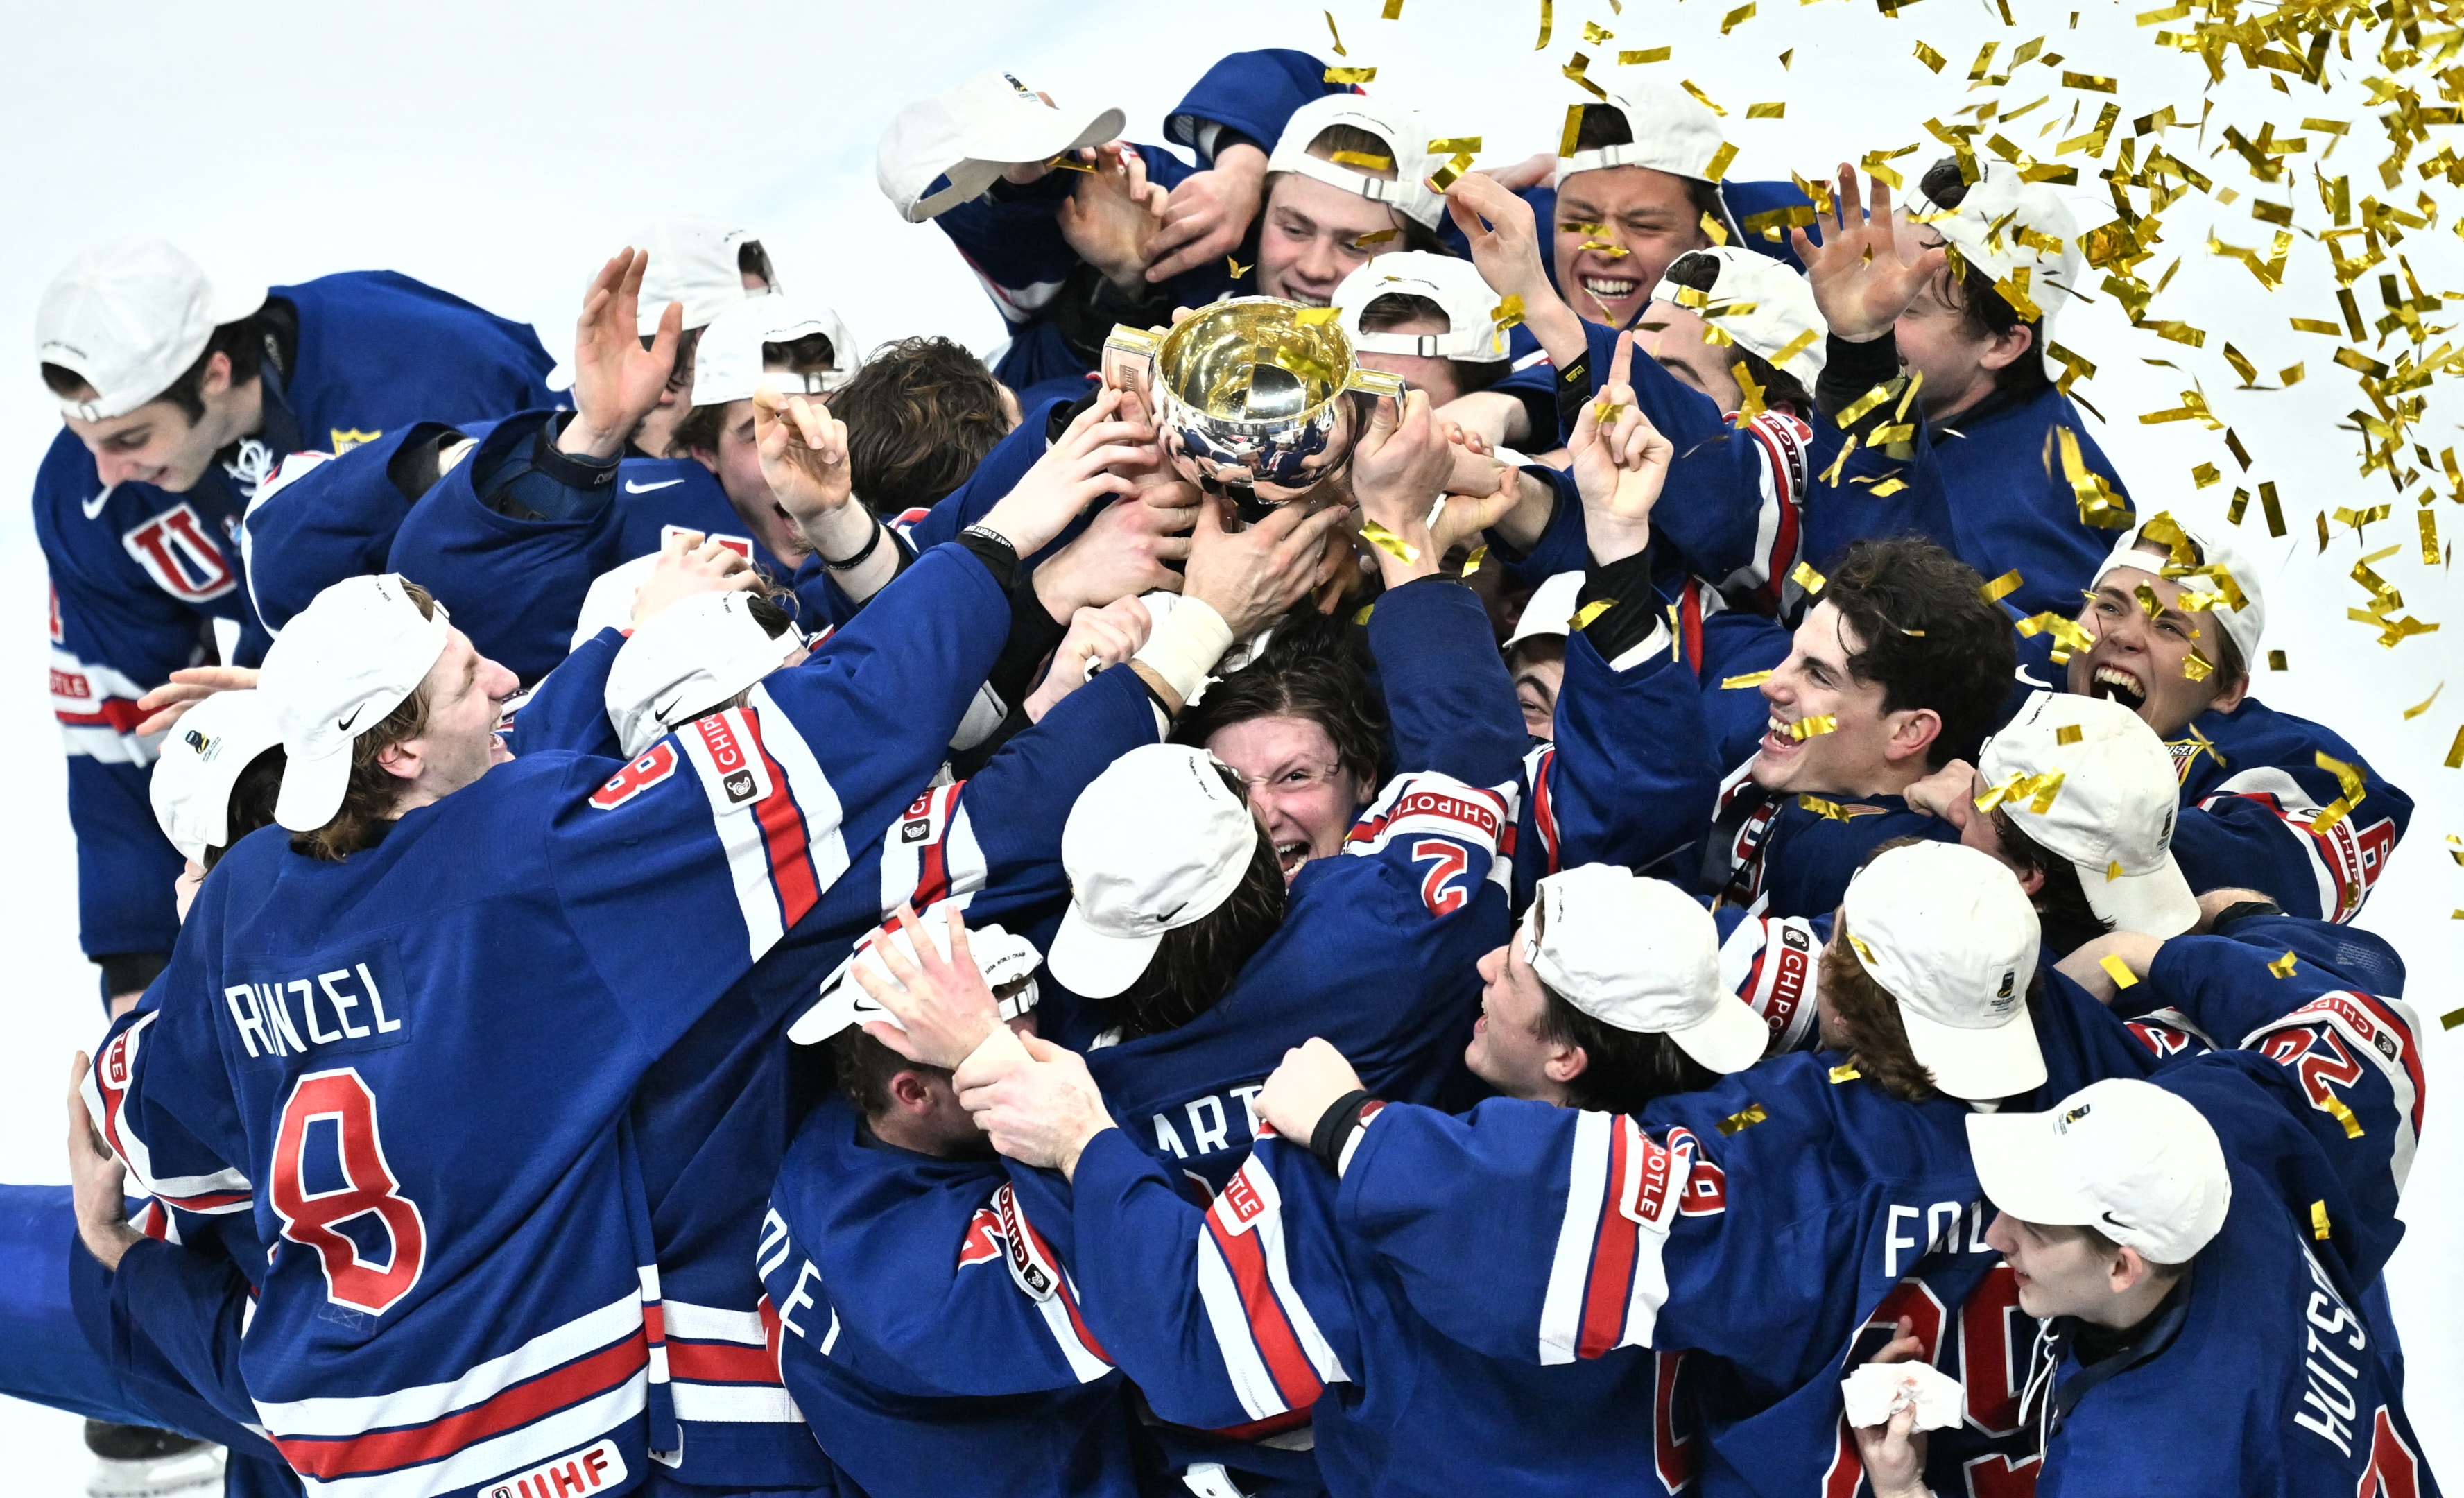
(1888, 487)
(2423, 706)
(1703, 98)
(1394, 10)
(1805, 577)
(2428, 525)
(2283, 966)
(2113, 870)
(1338, 36)
(1805, 728)
(1507, 312)
(1752, 678)
(2119, 971)
(1829, 810)
(1238, 269)
(1370, 241)
(1777, 110)
(1932, 59)
(2093, 82)
(2276, 661)
(2001, 587)
(1713, 170)
(1444, 177)
(1595, 33)
(1387, 541)
(1744, 1118)
(2452, 1017)
(2067, 733)
(1737, 17)
(1547, 24)
(1316, 317)
(1352, 75)
(2205, 475)
(2339, 1110)
(2318, 1229)
(1605, 412)
(1472, 562)
(1628, 59)
(1456, 144)
(1577, 72)
(1592, 610)
(1786, 58)
(1573, 132)
(2039, 791)
(1362, 616)
(2455, 751)
(2197, 667)
(1366, 161)
(1846, 1072)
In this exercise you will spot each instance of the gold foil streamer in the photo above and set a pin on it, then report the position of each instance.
(2283, 966)
(1548, 25)
(2001, 587)
(1752, 678)
(1592, 610)
(1846, 1072)
(1628, 59)
(1387, 541)
(2318, 1229)
(1351, 74)
(1805, 728)
(1366, 161)
(1744, 1118)
(2119, 971)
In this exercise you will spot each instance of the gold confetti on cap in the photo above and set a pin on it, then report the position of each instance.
(2067, 733)
(1366, 161)
(2119, 971)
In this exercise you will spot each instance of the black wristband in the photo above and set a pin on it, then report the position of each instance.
(1633, 614)
(871, 543)
(1574, 389)
(130, 972)
(589, 474)
(2244, 910)
(994, 550)
(1334, 1127)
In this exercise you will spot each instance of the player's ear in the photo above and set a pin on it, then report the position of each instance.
(1912, 731)
(2125, 1269)
(1565, 1063)
(401, 759)
(911, 1092)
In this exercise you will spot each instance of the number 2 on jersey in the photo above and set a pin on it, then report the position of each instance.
(367, 1192)
(1437, 889)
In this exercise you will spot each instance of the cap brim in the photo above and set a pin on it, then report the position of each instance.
(2157, 904)
(1730, 1038)
(237, 302)
(2021, 1172)
(968, 179)
(312, 789)
(844, 1006)
(1095, 965)
(1027, 135)
(1979, 1065)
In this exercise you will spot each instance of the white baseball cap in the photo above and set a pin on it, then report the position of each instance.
(2111, 815)
(1948, 934)
(203, 756)
(2126, 1157)
(1673, 132)
(1640, 956)
(1765, 307)
(1472, 332)
(691, 657)
(728, 362)
(698, 262)
(945, 150)
(1406, 142)
(1155, 842)
(2244, 624)
(1004, 959)
(1986, 225)
(1551, 609)
(130, 318)
(342, 663)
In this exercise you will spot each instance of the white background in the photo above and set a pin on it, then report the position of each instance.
(503, 153)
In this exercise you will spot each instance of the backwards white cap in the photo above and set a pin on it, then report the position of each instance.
(696, 261)
(203, 756)
(1155, 842)
(2005, 223)
(1765, 307)
(1401, 128)
(2126, 1157)
(691, 657)
(129, 319)
(1455, 285)
(1004, 959)
(1640, 956)
(728, 363)
(1948, 933)
(1551, 609)
(2109, 809)
(1673, 132)
(945, 150)
(2243, 625)
(342, 663)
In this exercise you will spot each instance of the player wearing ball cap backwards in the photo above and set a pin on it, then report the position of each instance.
(1764, 1221)
(178, 395)
(2208, 1230)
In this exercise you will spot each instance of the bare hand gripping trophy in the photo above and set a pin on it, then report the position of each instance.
(1253, 395)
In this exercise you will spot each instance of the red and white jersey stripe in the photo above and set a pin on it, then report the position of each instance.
(105, 1090)
(775, 813)
(2345, 859)
(930, 853)
(1778, 528)
(2379, 1031)
(1606, 1280)
(723, 1367)
(95, 707)
(1278, 1361)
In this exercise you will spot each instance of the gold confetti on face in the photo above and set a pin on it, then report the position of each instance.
(1754, 678)
(1805, 728)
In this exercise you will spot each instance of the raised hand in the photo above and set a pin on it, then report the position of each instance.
(1097, 637)
(1252, 577)
(1868, 266)
(189, 686)
(1122, 551)
(803, 449)
(1042, 1110)
(945, 1009)
(1099, 454)
(1620, 467)
(1311, 1079)
(617, 381)
(1113, 214)
(1511, 257)
(1208, 216)
(688, 565)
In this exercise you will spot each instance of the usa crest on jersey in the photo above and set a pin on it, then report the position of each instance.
(180, 554)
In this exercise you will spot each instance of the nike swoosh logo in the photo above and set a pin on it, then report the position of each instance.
(346, 724)
(94, 506)
(632, 488)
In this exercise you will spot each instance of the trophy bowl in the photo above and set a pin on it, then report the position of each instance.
(1253, 395)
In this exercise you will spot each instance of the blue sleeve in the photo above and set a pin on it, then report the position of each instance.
(378, 348)
(1737, 645)
(1449, 702)
(1631, 779)
(1252, 94)
(185, 1309)
(1563, 545)
(1843, 507)
(2259, 829)
(569, 709)
(1222, 1315)
(514, 586)
(1011, 239)
(1745, 199)
(322, 519)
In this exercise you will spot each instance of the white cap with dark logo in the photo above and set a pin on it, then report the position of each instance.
(343, 664)
(698, 262)
(945, 150)
(2005, 223)
(203, 756)
(691, 658)
(1673, 132)
(129, 319)
(1641, 956)
(1157, 842)
(1764, 306)
(2126, 1157)
(1948, 933)
(1004, 959)
(1470, 307)
(2111, 811)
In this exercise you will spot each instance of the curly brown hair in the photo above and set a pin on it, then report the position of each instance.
(1878, 1042)
(920, 414)
(369, 797)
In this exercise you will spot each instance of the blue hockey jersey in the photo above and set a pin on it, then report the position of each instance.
(140, 576)
(323, 517)
(579, 915)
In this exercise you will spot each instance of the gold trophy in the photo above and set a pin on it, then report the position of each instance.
(1253, 395)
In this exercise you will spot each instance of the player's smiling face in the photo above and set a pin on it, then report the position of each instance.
(1309, 234)
(737, 463)
(1304, 797)
(2061, 1273)
(1648, 214)
(1509, 1050)
(2140, 661)
(1673, 337)
(1855, 757)
(466, 694)
(157, 443)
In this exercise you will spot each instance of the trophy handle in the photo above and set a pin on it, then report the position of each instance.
(1130, 357)
(1369, 381)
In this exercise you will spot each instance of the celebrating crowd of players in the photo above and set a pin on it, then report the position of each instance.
(796, 920)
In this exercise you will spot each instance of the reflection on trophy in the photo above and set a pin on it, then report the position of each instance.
(1253, 395)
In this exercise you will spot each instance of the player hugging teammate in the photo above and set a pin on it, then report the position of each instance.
(806, 919)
